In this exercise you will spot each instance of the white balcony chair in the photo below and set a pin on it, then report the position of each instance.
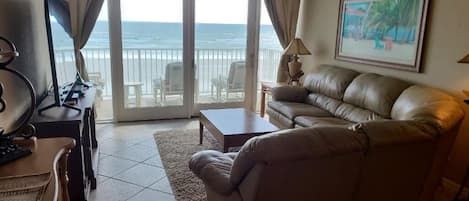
(234, 83)
(99, 83)
(172, 83)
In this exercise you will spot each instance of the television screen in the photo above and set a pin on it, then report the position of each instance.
(64, 53)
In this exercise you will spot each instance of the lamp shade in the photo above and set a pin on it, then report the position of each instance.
(296, 47)
(464, 60)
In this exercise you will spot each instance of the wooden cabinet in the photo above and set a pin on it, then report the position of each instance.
(64, 122)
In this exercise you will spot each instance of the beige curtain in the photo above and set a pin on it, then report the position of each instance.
(83, 16)
(284, 16)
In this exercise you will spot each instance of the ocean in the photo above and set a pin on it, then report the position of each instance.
(159, 35)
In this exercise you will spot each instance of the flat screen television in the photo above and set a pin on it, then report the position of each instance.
(61, 93)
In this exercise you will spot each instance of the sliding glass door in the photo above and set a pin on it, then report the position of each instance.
(220, 52)
(172, 58)
(148, 59)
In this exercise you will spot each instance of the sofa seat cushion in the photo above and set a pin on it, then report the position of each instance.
(279, 119)
(292, 110)
(353, 113)
(325, 102)
(308, 121)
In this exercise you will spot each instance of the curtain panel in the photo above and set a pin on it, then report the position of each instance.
(78, 18)
(59, 9)
(284, 16)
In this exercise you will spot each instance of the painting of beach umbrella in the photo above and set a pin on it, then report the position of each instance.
(385, 33)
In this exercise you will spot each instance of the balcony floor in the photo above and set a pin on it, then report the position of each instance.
(104, 107)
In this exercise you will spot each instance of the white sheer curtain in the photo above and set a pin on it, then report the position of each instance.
(78, 18)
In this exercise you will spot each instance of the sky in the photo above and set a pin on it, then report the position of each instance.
(207, 11)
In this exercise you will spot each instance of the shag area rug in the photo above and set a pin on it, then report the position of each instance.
(176, 148)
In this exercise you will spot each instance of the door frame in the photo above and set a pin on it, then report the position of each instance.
(189, 107)
(254, 22)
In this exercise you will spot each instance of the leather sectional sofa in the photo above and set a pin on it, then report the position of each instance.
(348, 137)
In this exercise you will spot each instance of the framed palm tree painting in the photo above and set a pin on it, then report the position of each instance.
(386, 33)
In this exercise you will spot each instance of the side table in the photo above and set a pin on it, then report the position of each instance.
(138, 92)
(265, 89)
(49, 156)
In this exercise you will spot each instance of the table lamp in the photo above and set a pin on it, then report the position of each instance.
(464, 60)
(294, 49)
(466, 176)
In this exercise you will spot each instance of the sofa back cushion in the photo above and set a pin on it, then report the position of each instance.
(353, 113)
(330, 81)
(324, 102)
(428, 105)
(375, 93)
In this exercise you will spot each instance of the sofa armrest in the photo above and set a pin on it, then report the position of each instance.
(214, 169)
(295, 145)
(289, 94)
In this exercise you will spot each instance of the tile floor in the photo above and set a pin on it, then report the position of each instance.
(130, 167)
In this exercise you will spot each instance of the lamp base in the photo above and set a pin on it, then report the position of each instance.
(294, 71)
(294, 67)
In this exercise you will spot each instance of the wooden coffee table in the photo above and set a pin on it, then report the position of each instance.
(233, 127)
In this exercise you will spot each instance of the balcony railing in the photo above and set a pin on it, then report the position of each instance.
(146, 65)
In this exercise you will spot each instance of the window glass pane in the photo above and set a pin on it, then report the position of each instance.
(220, 50)
(152, 40)
(98, 63)
(63, 51)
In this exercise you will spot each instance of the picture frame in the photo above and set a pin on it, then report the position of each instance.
(383, 33)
